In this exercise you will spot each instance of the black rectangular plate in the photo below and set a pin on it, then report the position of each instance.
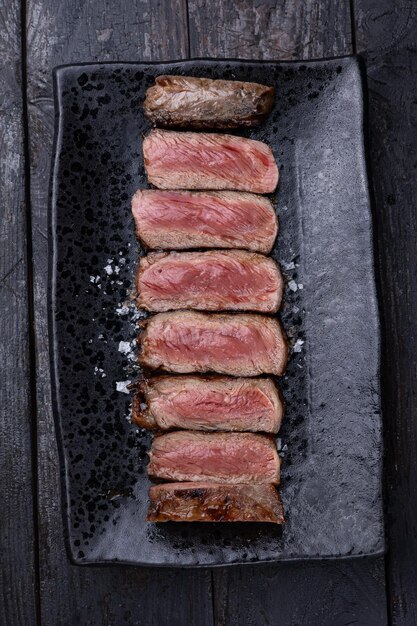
(331, 438)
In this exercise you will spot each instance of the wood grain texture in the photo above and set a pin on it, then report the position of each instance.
(269, 29)
(64, 32)
(387, 35)
(294, 594)
(17, 545)
(326, 594)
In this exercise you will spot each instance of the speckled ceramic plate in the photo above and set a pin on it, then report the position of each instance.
(331, 438)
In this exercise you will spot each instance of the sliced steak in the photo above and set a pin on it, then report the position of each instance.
(208, 403)
(208, 161)
(238, 345)
(211, 502)
(188, 102)
(218, 280)
(217, 457)
(176, 220)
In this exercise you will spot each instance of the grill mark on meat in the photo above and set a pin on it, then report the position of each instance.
(219, 457)
(208, 161)
(210, 219)
(211, 502)
(185, 101)
(237, 345)
(211, 281)
(208, 403)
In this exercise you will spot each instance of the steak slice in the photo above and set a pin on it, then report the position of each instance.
(209, 403)
(211, 502)
(208, 161)
(188, 102)
(238, 345)
(218, 280)
(217, 457)
(176, 220)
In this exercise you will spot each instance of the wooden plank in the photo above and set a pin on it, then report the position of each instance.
(17, 545)
(387, 35)
(268, 29)
(328, 593)
(313, 593)
(64, 32)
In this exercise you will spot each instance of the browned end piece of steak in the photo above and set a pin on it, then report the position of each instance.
(217, 280)
(208, 403)
(176, 220)
(218, 457)
(208, 161)
(237, 345)
(211, 502)
(188, 102)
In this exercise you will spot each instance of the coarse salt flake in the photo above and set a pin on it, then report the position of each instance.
(297, 345)
(124, 347)
(122, 386)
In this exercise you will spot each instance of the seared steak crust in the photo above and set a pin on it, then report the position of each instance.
(188, 102)
(211, 502)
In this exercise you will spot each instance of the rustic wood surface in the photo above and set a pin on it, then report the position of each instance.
(387, 37)
(18, 571)
(39, 584)
(270, 29)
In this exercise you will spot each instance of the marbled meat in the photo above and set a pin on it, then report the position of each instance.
(219, 457)
(215, 280)
(237, 345)
(177, 220)
(208, 403)
(208, 161)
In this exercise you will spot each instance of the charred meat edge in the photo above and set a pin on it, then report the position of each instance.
(211, 502)
(204, 103)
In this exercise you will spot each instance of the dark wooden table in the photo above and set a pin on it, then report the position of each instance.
(38, 583)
